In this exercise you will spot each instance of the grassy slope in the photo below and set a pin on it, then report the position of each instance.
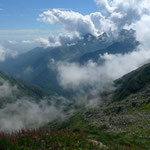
(131, 136)
(120, 125)
(132, 82)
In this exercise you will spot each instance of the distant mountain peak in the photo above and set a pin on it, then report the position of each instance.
(89, 37)
(103, 36)
(127, 33)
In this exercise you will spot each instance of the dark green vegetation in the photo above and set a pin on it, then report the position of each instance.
(37, 66)
(118, 126)
(136, 81)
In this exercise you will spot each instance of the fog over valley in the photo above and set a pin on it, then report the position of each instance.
(77, 71)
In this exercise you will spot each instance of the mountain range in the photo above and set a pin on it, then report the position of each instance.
(119, 121)
(36, 66)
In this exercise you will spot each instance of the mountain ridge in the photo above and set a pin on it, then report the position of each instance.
(18, 89)
(33, 66)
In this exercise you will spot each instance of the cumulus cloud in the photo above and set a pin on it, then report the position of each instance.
(104, 6)
(74, 22)
(143, 30)
(123, 12)
(5, 53)
(114, 15)
(75, 25)
(69, 20)
(45, 42)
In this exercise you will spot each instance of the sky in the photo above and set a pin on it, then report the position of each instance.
(18, 18)
(25, 24)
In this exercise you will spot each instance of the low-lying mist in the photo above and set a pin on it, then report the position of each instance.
(75, 76)
(28, 114)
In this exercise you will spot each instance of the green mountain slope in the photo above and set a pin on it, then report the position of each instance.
(134, 82)
(122, 124)
(117, 125)
(112, 125)
(12, 89)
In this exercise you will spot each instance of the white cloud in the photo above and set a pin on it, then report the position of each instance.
(28, 41)
(58, 40)
(123, 12)
(6, 90)
(76, 76)
(113, 16)
(12, 42)
(75, 25)
(45, 42)
(104, 6)
(27, 114)
(46, 9)
(5, 53)
(143, 30)
(71, 44)
(73, 21)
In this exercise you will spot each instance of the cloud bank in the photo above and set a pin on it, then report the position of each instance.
(27, 114)
(76, 76)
